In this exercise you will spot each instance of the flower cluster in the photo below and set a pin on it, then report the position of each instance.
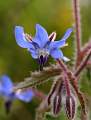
(6, 91)
(59, 97)
(41, 45)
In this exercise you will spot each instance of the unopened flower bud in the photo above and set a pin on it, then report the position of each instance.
(56, 105)
(70, 107)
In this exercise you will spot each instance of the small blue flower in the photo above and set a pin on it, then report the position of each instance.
(42, 45)
(6, 91)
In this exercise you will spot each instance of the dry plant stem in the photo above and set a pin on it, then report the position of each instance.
(76, 11)
(73, 81)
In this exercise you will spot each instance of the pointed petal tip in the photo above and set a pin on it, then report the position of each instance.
(69, 30)
(38, 26)
(19, 28)
(20, 38)
(25, 96)
(41, 36)
(6, 84)
(66, 59)
(5, 78)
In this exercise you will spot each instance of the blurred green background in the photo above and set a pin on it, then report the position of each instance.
(54, 15)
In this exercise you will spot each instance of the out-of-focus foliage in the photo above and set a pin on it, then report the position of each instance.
(54, 15)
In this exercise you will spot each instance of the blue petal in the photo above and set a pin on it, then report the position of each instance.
(60, 43)
(25, 95)
(20, 38)
(6, 85)
(33, 53)
(41, 36)
(66, 59)
(56, 54)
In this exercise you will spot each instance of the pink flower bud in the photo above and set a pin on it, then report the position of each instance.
(56, 105)
(70, 107)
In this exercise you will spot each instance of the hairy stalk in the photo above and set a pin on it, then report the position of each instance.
(83, 64)
(49, 72)
(73, 82)
(76, 11)
(39, 77)
(53, 89)
(67, 86)
(39, 115)
(40, 111)
(86, 48)
(89, 64)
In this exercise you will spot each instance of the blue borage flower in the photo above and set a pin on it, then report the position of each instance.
(42, 45)
(6, 91)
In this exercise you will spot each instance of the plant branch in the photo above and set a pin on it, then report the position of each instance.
(39, 77)
(73, 81)
(77, 24)
(76, 12)
(86, 47)
(83, 63)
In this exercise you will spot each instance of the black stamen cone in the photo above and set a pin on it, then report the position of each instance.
(42, 60)
(41, 67)
(8, 106)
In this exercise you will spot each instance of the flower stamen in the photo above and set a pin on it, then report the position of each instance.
(28, 37)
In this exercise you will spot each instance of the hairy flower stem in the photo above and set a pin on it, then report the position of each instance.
(57, 87)
(89, 64)
(73, 82)
(83, 64)
(67, 85)
(39, 115)
(86, 47)
(39, 77)
(76, 10)
(54, 87)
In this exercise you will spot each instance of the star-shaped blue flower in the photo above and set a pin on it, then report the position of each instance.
(41, 45)
(6, 91)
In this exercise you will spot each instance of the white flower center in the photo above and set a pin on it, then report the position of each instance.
(43, 52)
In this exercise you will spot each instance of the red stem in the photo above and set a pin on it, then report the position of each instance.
(77, 25)
(73, 81)
(67, 85)
(83, 64)
(65, 76)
